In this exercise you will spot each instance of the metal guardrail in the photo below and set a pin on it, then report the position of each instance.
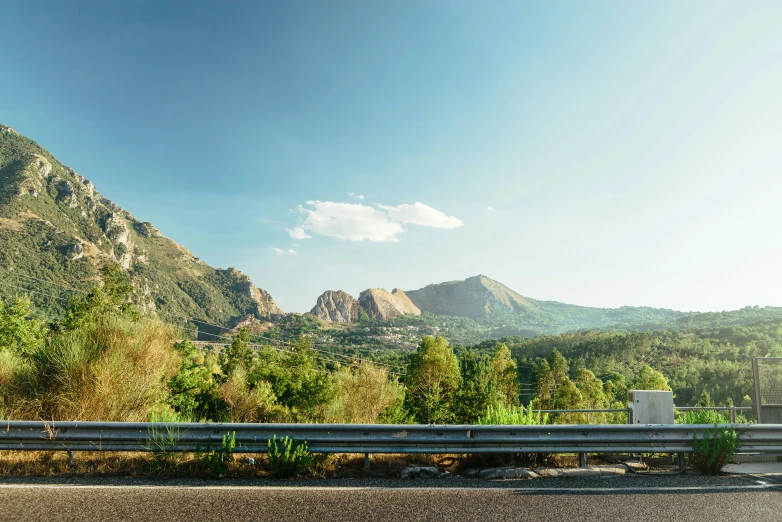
(375, 438)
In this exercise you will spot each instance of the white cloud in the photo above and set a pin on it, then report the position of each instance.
(297, 233)
(358, 222)
(490, 208)
(350, 222)
(281, 252)
(423, 215)
(354, 195)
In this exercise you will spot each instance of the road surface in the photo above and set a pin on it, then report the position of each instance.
(654, 499)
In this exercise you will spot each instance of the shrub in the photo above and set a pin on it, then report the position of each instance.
(245, 404)
(113, 370)
(501, 414)
(216, 461)
(702, 417)
(714, 449)
(363, 392)
(290, 459)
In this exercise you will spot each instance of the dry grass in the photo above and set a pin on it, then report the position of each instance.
(140, 464)
(112, 371)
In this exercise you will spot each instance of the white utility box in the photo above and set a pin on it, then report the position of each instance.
(650, 407)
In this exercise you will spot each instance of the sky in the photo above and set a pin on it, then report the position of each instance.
(594, 153)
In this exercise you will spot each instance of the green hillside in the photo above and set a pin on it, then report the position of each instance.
(56, 231)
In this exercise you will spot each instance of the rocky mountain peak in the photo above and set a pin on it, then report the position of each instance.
(380, 304)
(336, 306)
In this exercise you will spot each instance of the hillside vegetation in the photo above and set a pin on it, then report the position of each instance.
(57, 231)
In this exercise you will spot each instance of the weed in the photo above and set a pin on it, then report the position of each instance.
(291, 459)
(216, 461)
(714, 449)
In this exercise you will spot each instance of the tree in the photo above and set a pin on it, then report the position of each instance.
(297, 382)
(544, 387)
(651, 379)
(237, 354)
(506, 375)
(559, 367)
(113, 298)
(704, 400)
(568, 397)
(478, 387)
(592, 395)
(18, 332)
(432, 380)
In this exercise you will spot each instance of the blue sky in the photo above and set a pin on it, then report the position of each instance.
(597, 153)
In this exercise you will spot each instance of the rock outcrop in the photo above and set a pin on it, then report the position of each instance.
(336, 306)
(264, 304)
(379, 304)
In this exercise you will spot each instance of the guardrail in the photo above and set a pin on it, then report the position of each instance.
(375, 438)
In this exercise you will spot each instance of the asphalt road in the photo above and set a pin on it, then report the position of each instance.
(669, 499)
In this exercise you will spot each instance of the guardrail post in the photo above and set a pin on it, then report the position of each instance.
(71, 459)
(366, 461)
(733, 415)
(582, 460)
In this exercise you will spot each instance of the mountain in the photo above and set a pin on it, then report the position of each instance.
(476, 297)
(336, 306)
(57, 231)
(491, 303)
(379, 304)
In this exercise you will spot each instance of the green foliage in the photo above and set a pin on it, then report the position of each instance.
(714, 448)
(19, 333)
(651, 379)
(238, 353)
(502, 414)
(300, 385)
(702, 417)
(432, 380)
(292, 459)
(161, 441)
(193, 391)
(113, 298)
(215, 461)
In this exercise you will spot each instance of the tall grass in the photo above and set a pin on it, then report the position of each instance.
(113, 370)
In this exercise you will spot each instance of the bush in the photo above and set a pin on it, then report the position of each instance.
(216, 461)
(245, 404)
(714, 449)
(702, 417)
(501, 414)
(290, 459)
(113, 370)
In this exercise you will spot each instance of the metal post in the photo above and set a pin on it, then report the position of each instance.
(71, 459)
(756, 375)
(366, 461)
(682, 462)
(733, 415)
(582, 460)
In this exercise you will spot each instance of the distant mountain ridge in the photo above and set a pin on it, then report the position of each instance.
(56, 227)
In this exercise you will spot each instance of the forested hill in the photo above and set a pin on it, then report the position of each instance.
(716, 360)
(57, 231)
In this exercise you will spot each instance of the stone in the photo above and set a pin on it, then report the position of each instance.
(147, 229)
(420, 472)
(507, 473)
